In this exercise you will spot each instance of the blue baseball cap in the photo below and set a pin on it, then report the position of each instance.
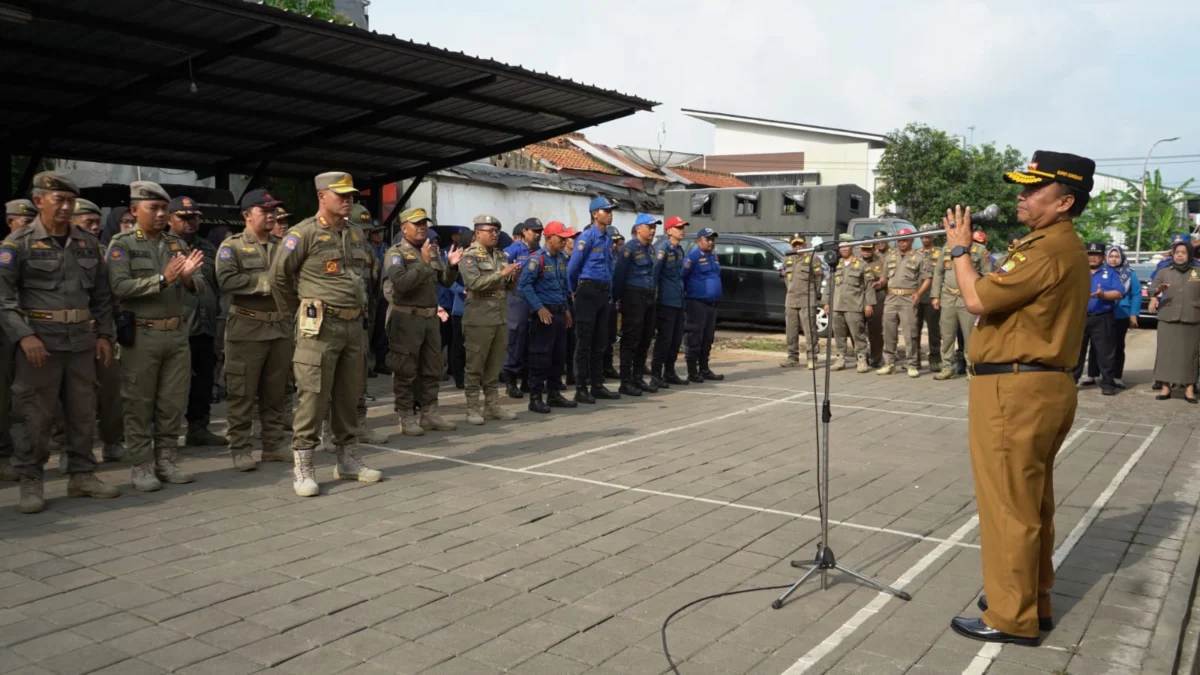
(646, 219)
(601, 203)
(707, 233)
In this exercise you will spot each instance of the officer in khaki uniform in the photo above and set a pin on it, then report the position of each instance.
(948, 299)
(52, 285)
(151, 271)
(1032, 311)
(907, 277)
(258, 335)
(414, 269)
(873, 259)
(804, 274)
(318, 276)
(846, 304)
(488, 277)
(17, 214)
(928, 316)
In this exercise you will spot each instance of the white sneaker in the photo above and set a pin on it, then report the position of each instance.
(304, 477)
(350, 467)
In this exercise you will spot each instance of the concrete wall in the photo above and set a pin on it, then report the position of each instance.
(455, 202)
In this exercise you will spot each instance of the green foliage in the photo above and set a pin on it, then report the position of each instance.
(924, 171)
(1119, 209)
(317, 9)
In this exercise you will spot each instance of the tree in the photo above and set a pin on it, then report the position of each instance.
(1105, 212)
(1119, 209)
(317, 9)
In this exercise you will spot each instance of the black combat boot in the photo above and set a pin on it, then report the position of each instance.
(611, 373)
(599, 391)
(556, 385)
(537, 405)
(628, 387)
(582, 395)
(525, 385)
(709, 374)
(639, 379)
(512, 390)
(556, 400)
(672, 377)
(656, 378)
(694, 372)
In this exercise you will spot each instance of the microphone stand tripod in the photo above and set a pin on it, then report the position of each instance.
(825, 560)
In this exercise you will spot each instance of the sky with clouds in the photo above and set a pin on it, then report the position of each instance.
(1103, 79)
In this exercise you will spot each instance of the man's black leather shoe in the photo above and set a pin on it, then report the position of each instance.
(513, 391)
(555, 400)
(648, 387)
(672, 377)
(976, 629)
(599, 391)
(537, 405)
(628, 389)
(710, 375)
(582, 396)
(1045, 623)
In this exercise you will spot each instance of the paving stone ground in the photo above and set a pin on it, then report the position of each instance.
(558, 544)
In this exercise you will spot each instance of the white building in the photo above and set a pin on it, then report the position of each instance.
(772, 152)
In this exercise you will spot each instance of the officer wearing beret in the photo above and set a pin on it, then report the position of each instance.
(413, 271)
(526, 241)
(804, 274)
(702, 283)
(668, 316)
(543, 282)
(947, 298)
(846, 302)
(18, 213)
(258, 335)
(873, 259)
(87, 216)
(1032, 311)
(56, 306)
(590, 275)
(1107, 290)
(488, 278)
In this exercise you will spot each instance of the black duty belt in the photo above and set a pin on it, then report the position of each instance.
(1011, 368)
(556, 309)
(598, 284)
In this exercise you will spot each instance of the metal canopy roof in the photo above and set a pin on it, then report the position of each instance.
(275, 92)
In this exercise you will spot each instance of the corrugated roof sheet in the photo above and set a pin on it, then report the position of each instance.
(714, 179)
(113, 82)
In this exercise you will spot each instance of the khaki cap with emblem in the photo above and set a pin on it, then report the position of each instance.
(484, 220)
(338, 182)
(20, 207)
(797, 239)
(415, 215)
(361, 216)
(145, 190)
(53, 180)
(83, 206)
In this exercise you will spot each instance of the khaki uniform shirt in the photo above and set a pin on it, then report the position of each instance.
(931, 257)
(851, 286)
(135, 262)
(1035, 303)
(874, 268)
(36, 273)
(412, 282)
(1181, 300)
(804, 274)
(486, 287)
(318, 261)
(905, 271)
(243, 270)
(945, 285)
(200, 312)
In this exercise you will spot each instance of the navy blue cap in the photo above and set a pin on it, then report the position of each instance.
(600, 203)
(646, 219)
(431, 235)
(532, 224)
(1095, 247)
(1180, 239)
(707, 233)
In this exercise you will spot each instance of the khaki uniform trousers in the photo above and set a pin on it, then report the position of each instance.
(415, 357)
(328, 367)
(69, 379)
(486, 348)
(110, 410)
(797, 319)
(955, 317)
(256, 374)
(929, 319)
(899, 318)
(156, 374)
(854, 325)
(1016, 426)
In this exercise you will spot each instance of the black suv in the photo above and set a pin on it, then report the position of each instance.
(753, 279)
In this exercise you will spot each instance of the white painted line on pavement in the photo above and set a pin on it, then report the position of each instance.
(863, 615)
(832, 405)
(672, 495)
(988, 652)
(662, 432)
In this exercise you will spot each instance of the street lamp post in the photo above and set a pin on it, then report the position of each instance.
(1137, 256)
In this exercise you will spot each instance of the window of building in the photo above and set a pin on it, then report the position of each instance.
(794, 202)
(725, 254)
(746, 204)
(855, 203)
(702, 204)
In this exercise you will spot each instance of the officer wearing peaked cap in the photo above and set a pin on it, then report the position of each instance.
(151, 273)
(1032, 311)
(526, 241)
(846, 298)
(56, 306)
(1107, 290)
(488, 277)
(668, 315)
(872, 256)
(702, 284)
(543, 282)
(635, 294)
(929, 316)
(589, 273)
(361, 218)
(804, 274)
(318, 276)
(956, 321)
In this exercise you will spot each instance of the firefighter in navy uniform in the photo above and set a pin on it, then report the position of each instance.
(668, 316)
(543, 283)
(702, 284)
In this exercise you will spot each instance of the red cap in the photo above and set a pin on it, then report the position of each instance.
(555, 227)
(675, 221)
(905, 230)
(979, 236)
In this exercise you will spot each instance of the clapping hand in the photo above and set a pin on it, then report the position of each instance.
(174, 268)
(427, 250)
(454, 255)
(509, 269)
(190, 264)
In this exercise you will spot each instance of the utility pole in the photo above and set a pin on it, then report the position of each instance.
(972, 130)
(1137, 256)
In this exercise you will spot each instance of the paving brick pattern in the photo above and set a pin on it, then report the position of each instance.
(558, 544)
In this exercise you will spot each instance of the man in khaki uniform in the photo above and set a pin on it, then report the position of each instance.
(1032, 310)
(413, 269)
(318, 276)
(804, 274)
(846, 303)
(488, 277)
(17, 214)
(52, 285)
(151, 271)
(928, 316)
(948, 298)
(874, 263)
(907, 278)
(258, 335)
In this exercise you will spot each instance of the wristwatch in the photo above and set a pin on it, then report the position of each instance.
(959, 250)
(162, 281)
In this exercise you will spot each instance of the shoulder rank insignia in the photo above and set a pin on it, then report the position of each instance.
(174, 246)
(141, 236)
